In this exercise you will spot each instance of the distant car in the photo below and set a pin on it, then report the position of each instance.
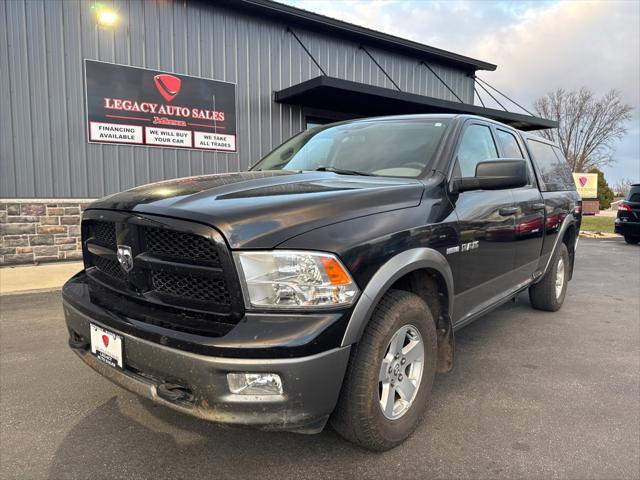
(628, 218)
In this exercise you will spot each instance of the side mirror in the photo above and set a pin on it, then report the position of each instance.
(494, 175)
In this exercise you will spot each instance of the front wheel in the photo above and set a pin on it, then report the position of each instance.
(631, 240)
(390, 374)
(548, 294)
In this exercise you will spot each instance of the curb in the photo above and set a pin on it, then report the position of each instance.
(26, 292)
(48, 277)
(599, 235)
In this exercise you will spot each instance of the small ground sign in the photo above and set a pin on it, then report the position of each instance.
(586, 184)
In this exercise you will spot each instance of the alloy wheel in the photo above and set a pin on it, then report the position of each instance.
(559, 277)
(401, 372)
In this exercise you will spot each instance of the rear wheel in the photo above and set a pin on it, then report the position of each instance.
(548, 294)
(390, 374)
(631, 240)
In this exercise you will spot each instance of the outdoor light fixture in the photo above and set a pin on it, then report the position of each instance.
(105, 17)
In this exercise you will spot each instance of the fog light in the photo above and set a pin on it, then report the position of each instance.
(254, 383)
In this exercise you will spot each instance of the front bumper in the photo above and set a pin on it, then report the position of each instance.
(311, 384)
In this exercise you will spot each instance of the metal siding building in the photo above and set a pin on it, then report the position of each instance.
(44, 148)
(291, 68)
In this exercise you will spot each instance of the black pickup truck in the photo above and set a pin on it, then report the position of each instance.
(327, 281)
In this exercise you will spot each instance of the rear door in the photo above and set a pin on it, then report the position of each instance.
(483, 260)
(558, 191)
(529, 217)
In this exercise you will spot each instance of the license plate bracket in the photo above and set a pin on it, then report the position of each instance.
(107, 346)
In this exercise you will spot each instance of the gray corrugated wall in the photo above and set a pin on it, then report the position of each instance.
(43, 147)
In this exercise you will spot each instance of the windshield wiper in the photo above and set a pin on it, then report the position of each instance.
(341, 171)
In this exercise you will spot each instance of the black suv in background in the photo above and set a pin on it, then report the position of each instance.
(326, 283)
(628, 216)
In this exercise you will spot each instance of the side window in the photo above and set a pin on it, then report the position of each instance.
(565, 171)
(553, 168)
(509, 144)
(476, 146)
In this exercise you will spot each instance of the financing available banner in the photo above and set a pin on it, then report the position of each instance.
(138, 106)
(586, 184)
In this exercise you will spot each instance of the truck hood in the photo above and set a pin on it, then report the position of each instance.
(264, 209)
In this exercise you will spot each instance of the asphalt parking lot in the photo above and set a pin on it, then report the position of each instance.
(533, 395)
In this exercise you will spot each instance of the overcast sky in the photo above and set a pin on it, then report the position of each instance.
(538, 46)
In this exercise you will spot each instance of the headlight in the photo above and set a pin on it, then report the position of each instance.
(294, 279)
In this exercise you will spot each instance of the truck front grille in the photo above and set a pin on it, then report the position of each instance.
(176, 264)
(109, 267)
(192, 286)
(104, 233)
(185, 246)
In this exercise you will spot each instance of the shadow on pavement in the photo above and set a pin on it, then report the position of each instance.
(515, 404)
(131, 437)
(108, 442)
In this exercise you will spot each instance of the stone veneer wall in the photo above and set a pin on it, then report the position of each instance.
(40, 230)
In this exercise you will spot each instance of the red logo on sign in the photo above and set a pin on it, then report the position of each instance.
(167, 85)
(583, 181)
(105, 340)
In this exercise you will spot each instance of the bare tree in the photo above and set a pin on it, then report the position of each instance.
(622, 187)
(589, 126)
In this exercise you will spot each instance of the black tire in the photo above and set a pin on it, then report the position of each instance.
(631, 240)
(543, 295)
(358, 416)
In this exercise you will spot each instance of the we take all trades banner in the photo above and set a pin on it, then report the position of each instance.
(586, 184)
(137, 106)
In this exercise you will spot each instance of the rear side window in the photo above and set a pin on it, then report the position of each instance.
(476, 146)
(555, 174)
(509, 144)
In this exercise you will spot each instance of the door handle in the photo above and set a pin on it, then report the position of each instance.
(506, 211)
(538, 206)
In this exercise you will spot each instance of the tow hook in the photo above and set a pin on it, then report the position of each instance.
(173, 392)
(77, 341)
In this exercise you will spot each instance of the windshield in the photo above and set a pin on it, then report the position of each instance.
(395, 148)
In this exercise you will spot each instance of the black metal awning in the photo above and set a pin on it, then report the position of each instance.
(335, 94)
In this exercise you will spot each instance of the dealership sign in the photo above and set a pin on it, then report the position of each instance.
(586, 184)
(137, 106)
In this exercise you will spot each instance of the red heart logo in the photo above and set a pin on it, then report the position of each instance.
(167, 85)
(105, 340)
(583, 181)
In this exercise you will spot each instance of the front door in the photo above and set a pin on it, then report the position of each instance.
(529, 218)
(483, 262)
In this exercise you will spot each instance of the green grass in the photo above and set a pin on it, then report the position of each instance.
(596, 223)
